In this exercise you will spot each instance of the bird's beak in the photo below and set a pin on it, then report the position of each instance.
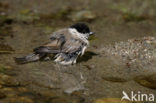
(91, 33)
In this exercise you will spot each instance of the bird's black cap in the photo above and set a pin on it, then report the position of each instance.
(81, 27)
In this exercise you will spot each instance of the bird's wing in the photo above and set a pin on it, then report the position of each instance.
(72, 46)
(54, 46)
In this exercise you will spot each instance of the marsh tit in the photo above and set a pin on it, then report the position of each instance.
(66, 44)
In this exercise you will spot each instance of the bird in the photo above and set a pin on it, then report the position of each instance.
(66, 45)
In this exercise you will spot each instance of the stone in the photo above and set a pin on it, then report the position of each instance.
(112, 100)
(84, 15)
(20, 100)
(114, 79)
(5, 49)
(9, 92)
(8, 80)
(2, 95)
(57, 100)
(147, 81)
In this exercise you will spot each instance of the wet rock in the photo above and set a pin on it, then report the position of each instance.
(70, 83)
(4, 5)
(3, 8)
(5, 30)
(5, 20)
(112, 100)
(5, 49)
(84, 15)
(20, 100)
(133, 17)
(133, 12)
(57, 100)
(1, 86)
(48, 95)
(2, 95)
(6, 80)
(124, 61)
(90, 67)
(61, 14)
(22, 89)
(9, 92)
(26, 16)
(147, 81)
(4, 68)
(135, 54)
(114, 79)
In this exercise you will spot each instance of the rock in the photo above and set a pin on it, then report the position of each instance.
(135, 55)
(48, 95)
(22, 89)
(8, 80)
(112, 100)
(9, 92)
(133, 17)
(1, 86)
(114, 79)
(84, 15)
(4, 69)
(5, 49)
(26, 16)
(57, 100)
(70, 84)
(2, 95)
(61, 14)
(147, 81)
(20, 100)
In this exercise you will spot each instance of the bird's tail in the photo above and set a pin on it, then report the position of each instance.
(29, 58)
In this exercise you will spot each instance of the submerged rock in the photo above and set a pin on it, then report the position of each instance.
(129, 60)
(147, 81)
(20, 100)
(2, 95)
(26, 16)
(6, 80)
(84, 15)
(114, 79)
(136, 53)
(5, 49)
(57, 100)
(70, 83)
(9, 92)
(112, 100)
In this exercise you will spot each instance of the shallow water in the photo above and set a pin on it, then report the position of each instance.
(95, 75)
